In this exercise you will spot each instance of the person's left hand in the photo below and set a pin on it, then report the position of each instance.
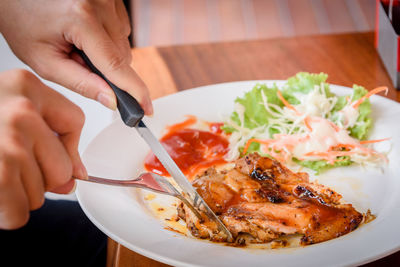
(40, 132)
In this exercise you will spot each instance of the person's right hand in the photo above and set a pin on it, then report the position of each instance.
(43, 34)
(40, 132)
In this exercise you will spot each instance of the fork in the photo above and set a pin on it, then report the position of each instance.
(147, 181)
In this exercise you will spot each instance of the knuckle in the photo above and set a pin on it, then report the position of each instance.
(21, 111)
(15, 154)
(125, 27)
(116, 63)
(82, 9)
(37, 203)
(21, 77)
(78, 118)
(24, 104)
(60, 174)
(81, 87)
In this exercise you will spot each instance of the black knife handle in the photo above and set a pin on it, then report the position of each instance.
(129, 108)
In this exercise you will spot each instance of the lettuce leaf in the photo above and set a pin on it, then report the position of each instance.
(255, 114)
(322, 165)
(304, 82)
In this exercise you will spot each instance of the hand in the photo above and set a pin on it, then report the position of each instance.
(42, 33)
(39, 131)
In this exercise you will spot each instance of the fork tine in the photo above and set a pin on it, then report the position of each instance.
(176, 193)
(148, 181)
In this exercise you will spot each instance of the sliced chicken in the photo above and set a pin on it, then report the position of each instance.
(263, 200)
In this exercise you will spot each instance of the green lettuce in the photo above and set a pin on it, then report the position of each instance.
(255, 114)
(322, 165)
(304, 82)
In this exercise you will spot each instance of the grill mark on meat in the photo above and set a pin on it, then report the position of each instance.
(261, 175)
(305, 193)
(274, 196)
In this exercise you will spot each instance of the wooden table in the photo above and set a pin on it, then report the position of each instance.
(347, 58)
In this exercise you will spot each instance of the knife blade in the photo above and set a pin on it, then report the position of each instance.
(132, 113)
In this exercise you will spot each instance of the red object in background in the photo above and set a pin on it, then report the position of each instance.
(387, 38)
(395, 13)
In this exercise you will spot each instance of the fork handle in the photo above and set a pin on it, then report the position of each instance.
(144, 181)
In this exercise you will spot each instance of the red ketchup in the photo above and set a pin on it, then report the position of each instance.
(192, 150)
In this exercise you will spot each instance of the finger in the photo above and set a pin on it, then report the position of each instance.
(14, 207)
(117, 26)
(50, 154)
(67, 188)
(66, 119)
(53, 159)
(19, 152)
(123, 17)
(32, 180)
(106, 57)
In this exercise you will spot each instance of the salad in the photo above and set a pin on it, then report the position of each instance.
(304, 123)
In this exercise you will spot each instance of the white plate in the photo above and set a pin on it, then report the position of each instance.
(118, 152)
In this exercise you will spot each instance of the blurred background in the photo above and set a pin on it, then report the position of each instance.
(174, 22)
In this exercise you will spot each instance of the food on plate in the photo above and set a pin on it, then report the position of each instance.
(260, 200)
(241, 167)
(304, 123)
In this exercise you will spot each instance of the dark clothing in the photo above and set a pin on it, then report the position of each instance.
(57, 234)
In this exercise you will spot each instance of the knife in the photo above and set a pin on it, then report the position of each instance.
(132, 114)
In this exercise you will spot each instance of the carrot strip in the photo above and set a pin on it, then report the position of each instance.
(306, 123)
(334, 126)
(287, 104)
(370, 93)
(252, 140)
(374, 141)
(329, 154)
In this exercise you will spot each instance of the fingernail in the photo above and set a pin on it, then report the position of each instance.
(107, 100)
(150, 110)
(81, 171)
(66, 188)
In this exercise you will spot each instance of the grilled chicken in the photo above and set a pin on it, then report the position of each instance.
(262, 200)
